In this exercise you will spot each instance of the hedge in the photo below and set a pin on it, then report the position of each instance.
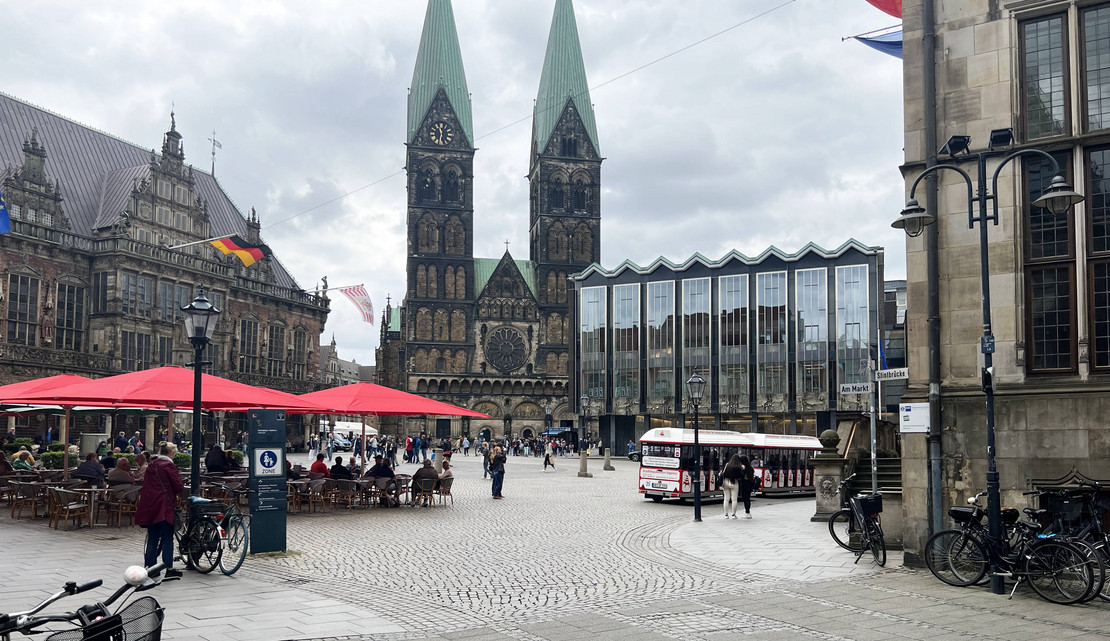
(235, 454)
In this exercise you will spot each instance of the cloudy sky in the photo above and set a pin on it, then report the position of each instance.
(775, 132)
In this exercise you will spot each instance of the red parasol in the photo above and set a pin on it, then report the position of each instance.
(368, 399)
(169, 387)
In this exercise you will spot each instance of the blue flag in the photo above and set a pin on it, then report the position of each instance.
(5, 220)
(888, 43)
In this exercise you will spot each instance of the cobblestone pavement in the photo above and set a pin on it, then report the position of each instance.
(560, 558)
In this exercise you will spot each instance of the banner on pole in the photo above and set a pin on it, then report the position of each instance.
(358, 296)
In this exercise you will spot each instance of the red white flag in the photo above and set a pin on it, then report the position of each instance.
(358, 296)
(893, 7)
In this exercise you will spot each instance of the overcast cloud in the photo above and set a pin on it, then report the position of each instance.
(774, 133)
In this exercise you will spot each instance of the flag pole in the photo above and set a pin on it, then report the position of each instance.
(198, 242)
(318, 289)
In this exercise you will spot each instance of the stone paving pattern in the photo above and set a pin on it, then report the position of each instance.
(560, 558)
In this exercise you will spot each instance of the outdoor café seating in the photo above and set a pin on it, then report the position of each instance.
(31, 495)
(422, 495)
(67, 505)
(443, 490)
(120, 503)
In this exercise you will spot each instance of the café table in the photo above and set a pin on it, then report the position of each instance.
(94, 494)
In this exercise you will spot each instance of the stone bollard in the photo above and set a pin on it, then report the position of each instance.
(582, 465)
(608, 466)
(828, 470)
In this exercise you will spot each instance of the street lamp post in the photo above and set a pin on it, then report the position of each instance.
(1058, 198)
(200, 324)
(695, 387)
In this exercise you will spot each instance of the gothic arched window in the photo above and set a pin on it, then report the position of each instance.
(556, 194)
(579, 195)
(455, 237)
(423, 324)
(426, 185)
(557, 242)
(569, 146)
(451, 186)
(433, 282)
(583, 243)
(421, 281)
(441, 331)
(428, 235)
(460, 282)
(458, 326)
(449, 282)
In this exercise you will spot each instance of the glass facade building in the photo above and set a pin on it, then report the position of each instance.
(773, 336)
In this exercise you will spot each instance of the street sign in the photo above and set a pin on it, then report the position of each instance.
(986, 344)
(267, 462)
(913, 418)
(893, 374)
(855, 388)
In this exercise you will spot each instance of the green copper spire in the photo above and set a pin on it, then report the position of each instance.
(439, 65)
(563, 78)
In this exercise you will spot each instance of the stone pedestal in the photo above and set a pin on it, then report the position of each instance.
(582, 465)
(148, 441)
(608, 466)
(828, 470)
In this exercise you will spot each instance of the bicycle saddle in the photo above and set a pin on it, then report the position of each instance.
(1035, 513)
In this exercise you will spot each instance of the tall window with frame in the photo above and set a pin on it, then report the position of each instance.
(626, 344)
(70, 320)
(275, 351)
(592, 341)
(732, 314)
(696, 333)
(134, 351)
(23, 309)
(129, 293)
(101, 283)
(853, 329)
(1050, 272)
(165, 301)
(772, 384)
(182, 297)
(1044, 68)
(248, 346)
(811, 325)
(660, 346)
(165, 350)
(1098, 247)
(300, 345)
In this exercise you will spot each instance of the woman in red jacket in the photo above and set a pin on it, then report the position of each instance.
(157, 499)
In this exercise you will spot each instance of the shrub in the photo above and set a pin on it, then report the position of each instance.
(182, 460)
(53, 460)
(56, 446)
(237, 455)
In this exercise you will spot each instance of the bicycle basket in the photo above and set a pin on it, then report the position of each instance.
(961, 514)
(206, 508)
(870, 503)
(140, 620)
(1069, 509)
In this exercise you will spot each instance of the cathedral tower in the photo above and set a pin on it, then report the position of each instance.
(564, 175)
(440, 164)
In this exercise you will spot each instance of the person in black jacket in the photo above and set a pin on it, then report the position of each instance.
(747, 484)
(215, 461)
(497, 471)
(730, 483)
(340, 471)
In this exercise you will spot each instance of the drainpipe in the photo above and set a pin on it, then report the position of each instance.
(929, 52)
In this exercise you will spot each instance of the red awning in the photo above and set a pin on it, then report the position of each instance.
(368, 398)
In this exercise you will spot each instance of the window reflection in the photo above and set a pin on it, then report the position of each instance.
(592, 341)
(852, 328)
(626, 343)
(812, 339)
(771, 383)
(695, 332)
(660, 345)
(733, 319)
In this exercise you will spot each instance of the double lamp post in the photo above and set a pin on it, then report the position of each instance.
(1058, 199)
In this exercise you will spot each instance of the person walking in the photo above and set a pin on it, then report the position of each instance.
(747, 485)
(154, 511)
(730, 483)
(313, 447)
(466, 446)
(547, 452)
(330, 443)
(497, 471)
(484, 453)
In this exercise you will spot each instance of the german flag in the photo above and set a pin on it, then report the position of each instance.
(248, 253)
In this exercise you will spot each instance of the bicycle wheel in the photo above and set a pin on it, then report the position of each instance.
(203, 546)
(180, 523)
(842, 527)
(956, 558)
(875, 542)
(237, 539)
(1058, 572)
(1104, 551)
(1098, 568)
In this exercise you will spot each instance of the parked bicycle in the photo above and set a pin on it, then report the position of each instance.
(211, 535)
(1056, 569)
(1076, 513)
(139, 620)
(856, 527)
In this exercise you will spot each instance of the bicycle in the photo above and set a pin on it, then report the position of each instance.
(1057, 570)
(1074, 514)
(856, 528)
(236, 535)
(198, 534)
(139, 620)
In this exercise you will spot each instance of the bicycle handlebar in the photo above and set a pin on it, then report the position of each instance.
(72, 588)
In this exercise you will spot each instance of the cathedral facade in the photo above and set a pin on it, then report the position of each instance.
(492, 334)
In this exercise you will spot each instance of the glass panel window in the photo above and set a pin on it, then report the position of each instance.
(1049, 235)
(696, 318)
(248, 346)
(732, 314)
(626, 342)
(129, 293)
(70, 321)
(23, 310)
(182, 297)
(592, 341)
(134, 351)
(771, 362)
(1096, 54)
(300, 343)
(275, 354)
(813, 336)
(1100, 314)
(660, 345)
(165, 301)
(1045, 79)
(145, 296)
(1050, 310)
(165, 350)
(101, 281)
(852, 324)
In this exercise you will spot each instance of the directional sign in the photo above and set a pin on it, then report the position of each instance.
(855, 388)
(267, 462)
(893, 374)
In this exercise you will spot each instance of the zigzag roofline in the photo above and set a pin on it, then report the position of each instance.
(698, 258)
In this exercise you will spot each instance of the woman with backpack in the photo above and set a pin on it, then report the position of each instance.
(747, 486)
